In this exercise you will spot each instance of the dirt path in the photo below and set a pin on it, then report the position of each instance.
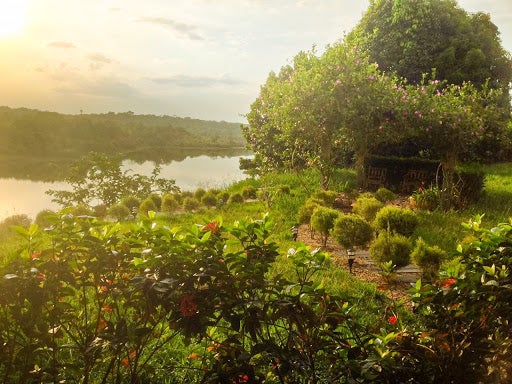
(364, 267)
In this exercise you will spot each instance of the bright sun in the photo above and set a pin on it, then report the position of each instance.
(12, 17)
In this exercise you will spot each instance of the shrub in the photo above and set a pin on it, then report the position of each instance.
(236, 198)
(352, 231)
(209, 199)
(249, 192)
(147, 205)
(384, 195)
(306, 211)
(322, 220)
(428, 258)
(21, 220)
(222, 198)
(44, 218)
(402, 221)
(169, 203)
(191, 204)
(427, 199)
(283, 189)
(131, 202)
(82, 210)
(100, 210)
(157, 199)
(199, 193)
(391, 246)
(325, 198)
(119, 212)
(367, 207)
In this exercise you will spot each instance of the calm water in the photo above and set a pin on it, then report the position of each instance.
(29, 197)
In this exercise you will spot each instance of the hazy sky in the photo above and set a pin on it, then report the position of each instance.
(200, 58)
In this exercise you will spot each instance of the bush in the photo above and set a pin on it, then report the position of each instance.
(428, 258)
(249, 192)
(384, 195)
(131, 202)
(322, 220)
(119, 212)
(169, 203)
(18, 220)
(199, 193)
(209, 199)
(82, 210)
(325, 198)
(470, 186)
(44, 218)
(157, 199)
(352, 231)
(147, 205)
(391, 247)
(402, 221)
(426, 199)
(191, 204)
(100, 210)
(367, 207)
(283, 190)
(223, 198)
(236, 198)
(306, 211)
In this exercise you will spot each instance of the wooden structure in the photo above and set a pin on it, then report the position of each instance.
(375, 177)
(414, 179)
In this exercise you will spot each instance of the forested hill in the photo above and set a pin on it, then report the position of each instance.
(39, 133)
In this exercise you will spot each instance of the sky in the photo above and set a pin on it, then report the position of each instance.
(203, 59)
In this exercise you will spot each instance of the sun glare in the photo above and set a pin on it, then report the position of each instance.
(12, 17)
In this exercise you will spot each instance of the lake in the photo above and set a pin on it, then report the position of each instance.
(24, 196)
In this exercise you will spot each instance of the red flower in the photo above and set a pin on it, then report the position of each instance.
(188, 307)
(241, 379)
(393, 319)
(212, 226)
(447, 283)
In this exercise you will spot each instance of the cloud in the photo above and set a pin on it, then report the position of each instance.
(196, 81)
(99, 58)
(181, 29)
(61, 44)
(104, 87)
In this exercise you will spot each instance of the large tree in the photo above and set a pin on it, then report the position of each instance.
(413, 37)
(416, 37)
(315, 112)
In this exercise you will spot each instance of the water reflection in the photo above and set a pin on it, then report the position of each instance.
(23, 196)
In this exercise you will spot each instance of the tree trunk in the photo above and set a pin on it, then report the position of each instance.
(448, 193)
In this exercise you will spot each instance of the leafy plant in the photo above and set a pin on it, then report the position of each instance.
(352, 231)
(402, 221)
(384, 195)
(322, 220)
(428, 258)
(391, 247)
(367, 207)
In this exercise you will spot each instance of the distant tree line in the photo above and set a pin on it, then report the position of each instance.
(40, 133)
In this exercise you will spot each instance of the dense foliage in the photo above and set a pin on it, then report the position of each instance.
(52, 135)
(87, 301)
(412, 38)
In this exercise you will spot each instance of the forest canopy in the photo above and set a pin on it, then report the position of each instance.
(40, 133)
